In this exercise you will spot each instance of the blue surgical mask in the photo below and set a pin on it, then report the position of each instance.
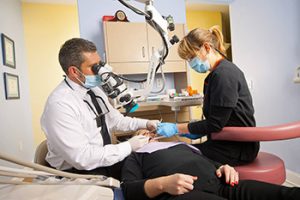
(91, 81)
(198, 65)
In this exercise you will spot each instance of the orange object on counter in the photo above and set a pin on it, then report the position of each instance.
(194, 92)
(189, 90)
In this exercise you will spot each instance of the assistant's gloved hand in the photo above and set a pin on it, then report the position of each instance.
(167, 129)
(191, 136)
(138, 141)
(152, 125)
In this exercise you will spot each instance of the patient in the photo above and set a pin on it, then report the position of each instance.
(172, 170)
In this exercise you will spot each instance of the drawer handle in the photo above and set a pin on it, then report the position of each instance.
(143, 52)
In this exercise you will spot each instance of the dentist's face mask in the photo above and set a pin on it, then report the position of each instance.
(91, 81)
(198, 65)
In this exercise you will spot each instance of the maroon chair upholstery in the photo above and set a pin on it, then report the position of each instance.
(266, 167)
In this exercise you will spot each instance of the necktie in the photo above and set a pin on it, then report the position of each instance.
(100, 118)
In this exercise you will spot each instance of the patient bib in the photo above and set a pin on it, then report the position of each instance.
(155, 146)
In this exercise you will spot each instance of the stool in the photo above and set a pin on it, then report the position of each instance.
(266, 167)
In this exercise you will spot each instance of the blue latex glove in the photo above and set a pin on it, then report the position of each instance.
(167, 129)
(191, 136)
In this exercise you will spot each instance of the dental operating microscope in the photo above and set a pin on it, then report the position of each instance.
(113, 84)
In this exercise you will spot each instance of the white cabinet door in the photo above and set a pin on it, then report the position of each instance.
(126, 42)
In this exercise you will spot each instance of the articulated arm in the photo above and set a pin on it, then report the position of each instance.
(113, 84)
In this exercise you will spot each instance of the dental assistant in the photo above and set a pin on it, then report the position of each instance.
(227, 99)
(78, 119)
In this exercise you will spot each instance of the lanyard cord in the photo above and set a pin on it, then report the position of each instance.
(102, 102)
(91, 108)
(68, 84)
(100, 118)
(97, 115)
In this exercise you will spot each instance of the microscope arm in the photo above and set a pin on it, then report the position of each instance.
(113, 84)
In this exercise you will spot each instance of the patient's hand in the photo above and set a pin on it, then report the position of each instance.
(231, 176)
(177, 184)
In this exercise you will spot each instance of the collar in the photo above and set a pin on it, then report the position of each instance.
(76, 87)
(217, 63)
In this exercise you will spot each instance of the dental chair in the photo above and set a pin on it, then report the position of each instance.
(39, 158)
(40, 154)
(39, 181)
(266, 167)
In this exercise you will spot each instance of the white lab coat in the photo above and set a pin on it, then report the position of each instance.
(73, 138)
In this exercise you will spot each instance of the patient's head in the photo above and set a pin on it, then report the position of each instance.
(152, 135)
(147, 133)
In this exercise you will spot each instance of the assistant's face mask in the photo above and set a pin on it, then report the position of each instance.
(198, 65)
(91, 81)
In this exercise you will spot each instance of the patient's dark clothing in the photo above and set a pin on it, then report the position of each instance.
(140, 167)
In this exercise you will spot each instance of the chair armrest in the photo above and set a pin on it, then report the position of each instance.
(268, 133)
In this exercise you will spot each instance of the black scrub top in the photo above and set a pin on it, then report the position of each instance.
(227, 102)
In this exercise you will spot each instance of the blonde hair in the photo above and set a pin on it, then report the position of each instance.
(193, 41)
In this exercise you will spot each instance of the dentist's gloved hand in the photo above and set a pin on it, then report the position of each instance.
(152, 125)
(167, 129)
(191, 136)
(138, 141)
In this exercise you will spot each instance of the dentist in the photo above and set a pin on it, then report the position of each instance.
(78, 119)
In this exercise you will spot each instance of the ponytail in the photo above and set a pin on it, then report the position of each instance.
(217, 39)
(193, 41)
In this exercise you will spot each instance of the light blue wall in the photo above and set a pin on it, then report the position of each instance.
(91, 12)
(15, 115)
(265, 39)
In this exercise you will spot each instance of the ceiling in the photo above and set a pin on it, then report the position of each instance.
(52, 1)
(191, 4)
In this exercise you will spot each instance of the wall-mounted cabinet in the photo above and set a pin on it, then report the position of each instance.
(129, 47)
